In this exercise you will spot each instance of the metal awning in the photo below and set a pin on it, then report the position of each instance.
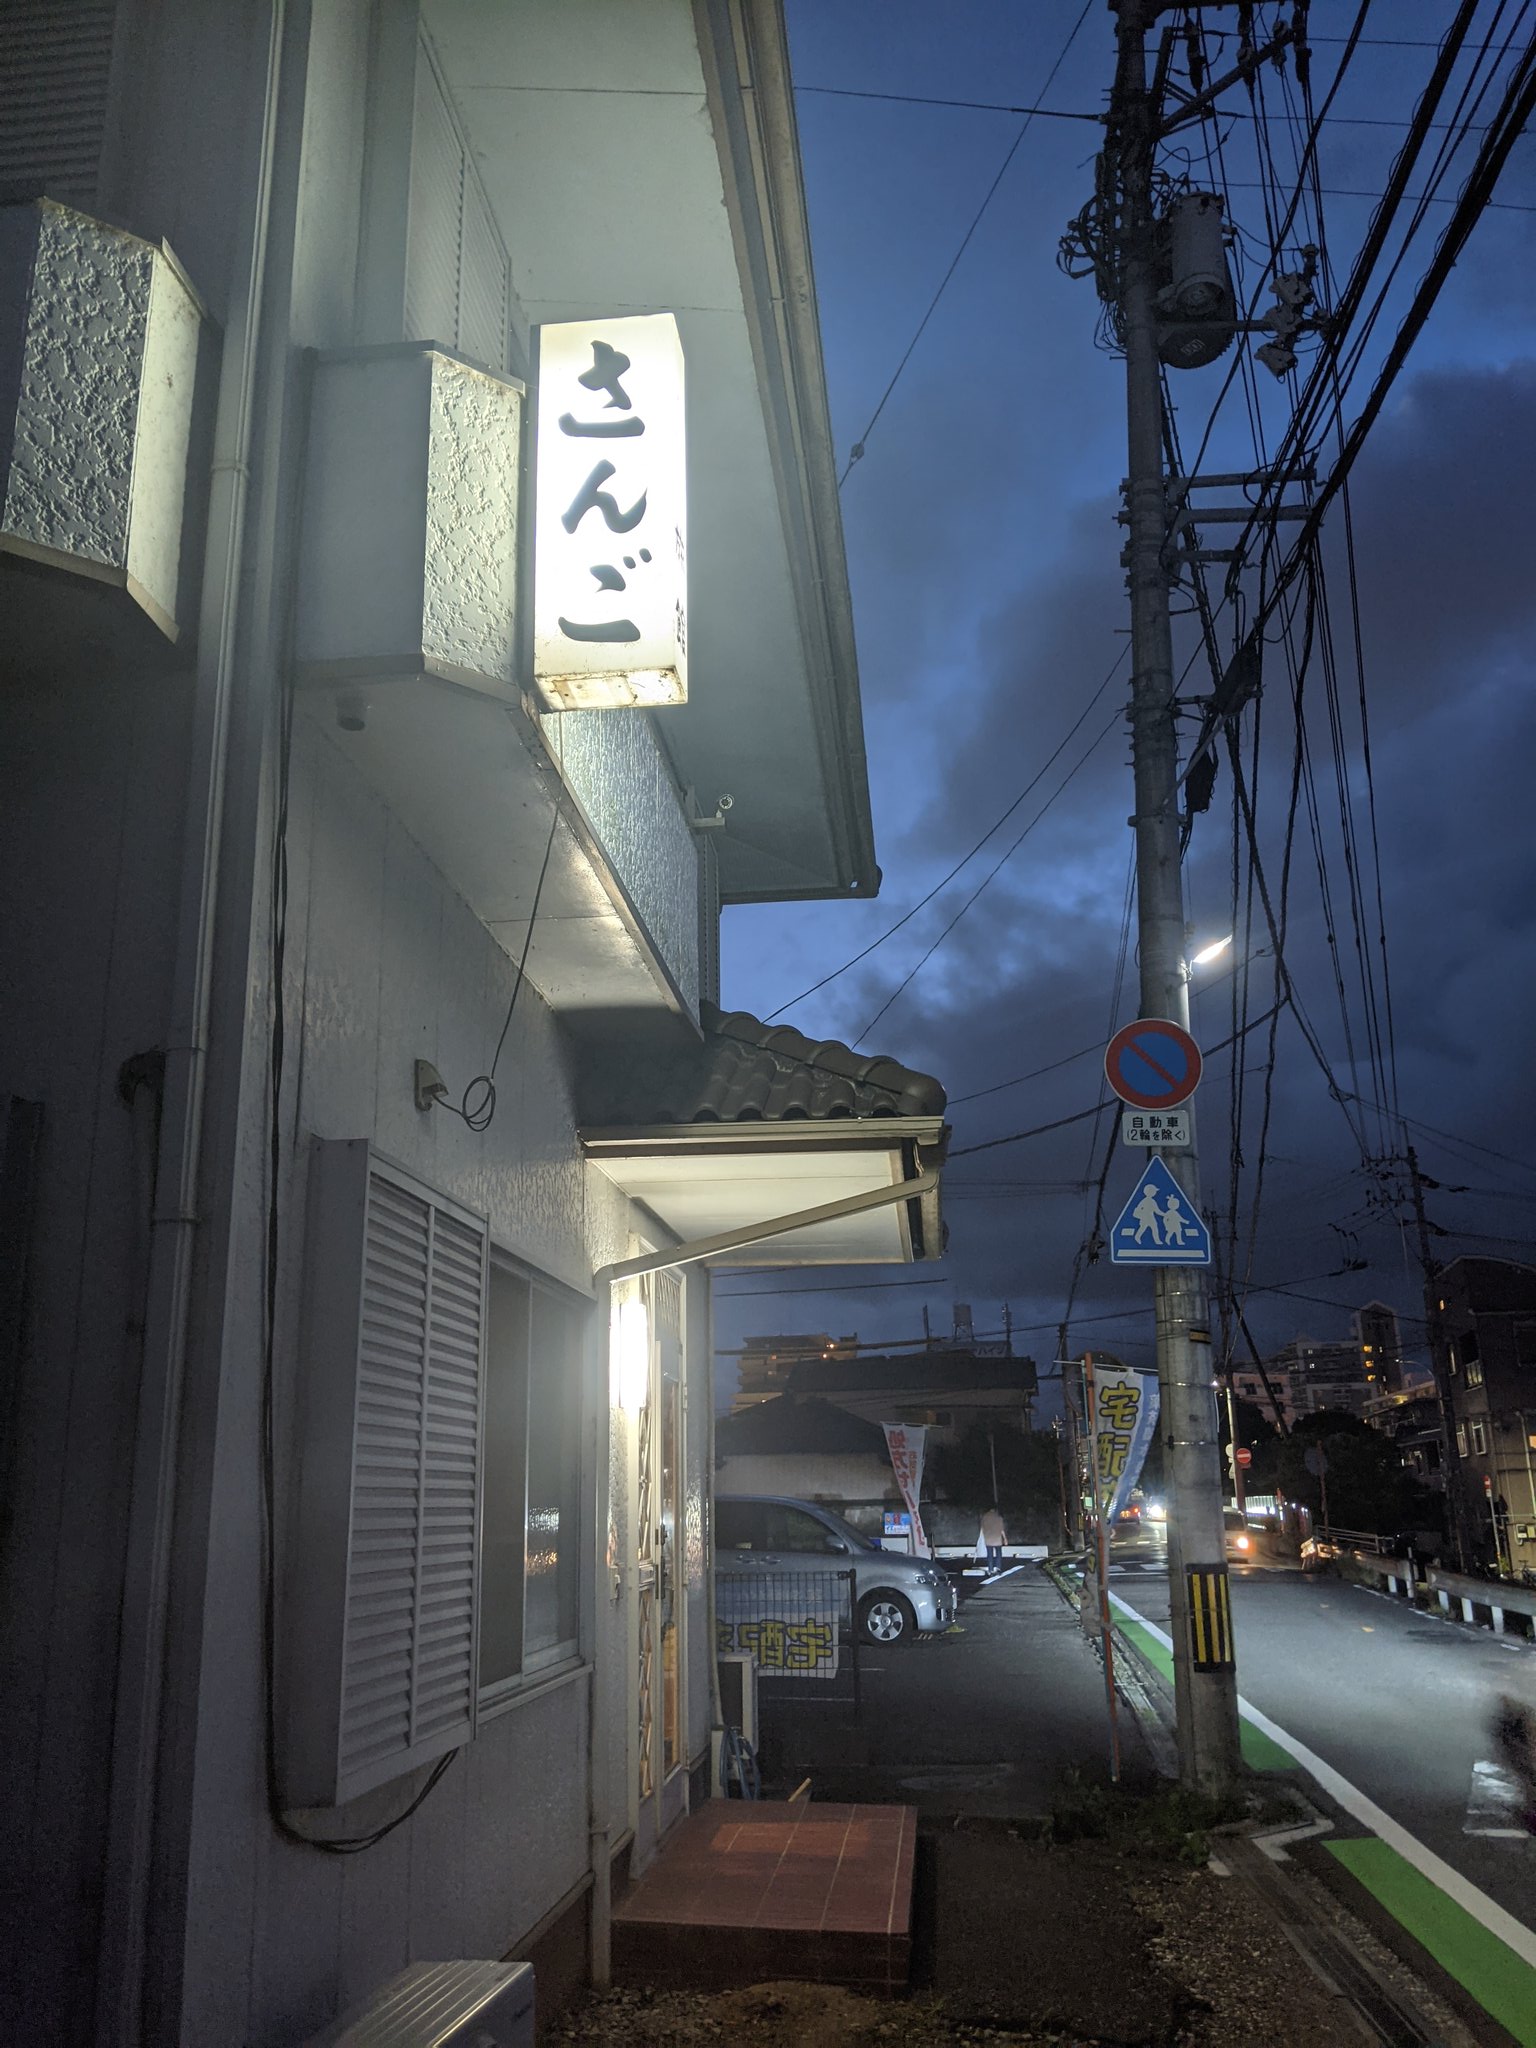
(706, 1180)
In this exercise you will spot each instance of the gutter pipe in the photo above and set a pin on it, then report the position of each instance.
(134, 1803)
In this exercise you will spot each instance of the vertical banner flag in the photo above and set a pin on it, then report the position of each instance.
(906, 1448)
(1125, 1415)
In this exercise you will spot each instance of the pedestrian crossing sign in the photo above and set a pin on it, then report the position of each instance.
(1158, 1225)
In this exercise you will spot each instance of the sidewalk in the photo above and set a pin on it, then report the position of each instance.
(1048, 1907)
(988, 1721)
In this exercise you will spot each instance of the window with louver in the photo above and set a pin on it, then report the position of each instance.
(55, 63)
(457, 280)
(384, 1572)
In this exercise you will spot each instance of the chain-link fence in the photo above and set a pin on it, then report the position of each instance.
(801, 1630)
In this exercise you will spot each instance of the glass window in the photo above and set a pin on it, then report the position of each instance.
(1461, 1439)
(530, 1537)
(553, 1545)
(1525, 1343)
(792, 1529)
(1479, 1440)
(739, 1525)
(506, 1464)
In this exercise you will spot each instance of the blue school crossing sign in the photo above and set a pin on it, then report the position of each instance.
(1158, 1225)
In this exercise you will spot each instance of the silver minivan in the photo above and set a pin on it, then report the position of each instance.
(895, 1595)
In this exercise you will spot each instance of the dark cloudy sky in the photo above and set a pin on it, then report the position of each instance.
(990, 607)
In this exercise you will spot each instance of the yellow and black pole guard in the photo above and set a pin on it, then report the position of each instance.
(1210, 1618)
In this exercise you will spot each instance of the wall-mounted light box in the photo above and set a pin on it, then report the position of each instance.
(610, 607)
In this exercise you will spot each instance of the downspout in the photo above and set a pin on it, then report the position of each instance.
(173, 1225)
(718, 1246)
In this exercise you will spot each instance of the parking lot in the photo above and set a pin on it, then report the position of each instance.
(983, 1719)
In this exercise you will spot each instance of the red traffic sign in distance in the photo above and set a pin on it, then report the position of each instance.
(1244, 1455)
(1153, 1064)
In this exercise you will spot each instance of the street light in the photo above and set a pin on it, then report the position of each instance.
(1211, 952)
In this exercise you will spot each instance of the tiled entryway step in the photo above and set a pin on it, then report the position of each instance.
(817, 1892)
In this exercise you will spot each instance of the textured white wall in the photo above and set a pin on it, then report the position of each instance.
(614, 762)
(77, 401)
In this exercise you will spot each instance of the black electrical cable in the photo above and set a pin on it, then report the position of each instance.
(944, 881)
(999, 864)
(1082, 1115)
(480, 1117)
(857, 452)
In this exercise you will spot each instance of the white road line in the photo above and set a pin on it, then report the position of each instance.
(1494, 1802)
(1512, 1932)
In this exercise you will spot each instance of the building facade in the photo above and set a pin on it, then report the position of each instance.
(360, 1073)
(1489, 1312)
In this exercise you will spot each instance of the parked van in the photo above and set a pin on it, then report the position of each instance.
(895, 1595)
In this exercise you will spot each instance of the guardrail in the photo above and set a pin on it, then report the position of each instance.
(1499, 1597)
(1487, 1603)
(1400, 1575)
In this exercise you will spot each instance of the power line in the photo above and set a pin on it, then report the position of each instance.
(857, 452)
(999, 864)
(997, 824)
(1081, 1115)
(920, 99)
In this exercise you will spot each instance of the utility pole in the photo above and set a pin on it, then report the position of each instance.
(1440, 1366)
(1205, 1693)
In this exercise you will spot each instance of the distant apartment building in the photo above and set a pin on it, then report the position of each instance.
(767, 1362)
(1310, 1374)
(1381, 1349)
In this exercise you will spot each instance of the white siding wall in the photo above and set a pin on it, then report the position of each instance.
(809, 1477)
(384, 965)
(91, 774)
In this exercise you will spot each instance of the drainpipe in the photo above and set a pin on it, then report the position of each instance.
(718, 1246)
(137, 1724)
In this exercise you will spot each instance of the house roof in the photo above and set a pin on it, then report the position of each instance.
(745, 1071)
(789, 1425)
(1492, 1286)
(946, 1371)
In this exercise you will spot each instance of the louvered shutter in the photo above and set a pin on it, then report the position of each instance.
(457, 277)
(55, 61)
(384, 1566)
(437, 214)
(483, 281)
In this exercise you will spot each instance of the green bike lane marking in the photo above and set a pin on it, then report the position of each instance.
(1486, 1949)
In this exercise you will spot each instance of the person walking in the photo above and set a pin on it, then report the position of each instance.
(993, 1536)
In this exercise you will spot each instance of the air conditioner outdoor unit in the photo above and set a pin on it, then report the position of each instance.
(738, 1710)
(738, 1695)
(442, 2005)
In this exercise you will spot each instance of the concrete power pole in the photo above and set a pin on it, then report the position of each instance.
(1206, 1690)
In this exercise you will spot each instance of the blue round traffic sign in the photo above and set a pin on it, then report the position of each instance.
(1152, 1064)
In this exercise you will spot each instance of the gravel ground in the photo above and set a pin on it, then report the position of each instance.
(784, 2016)
(1239, 1983)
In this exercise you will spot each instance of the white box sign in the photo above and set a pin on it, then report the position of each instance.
(610, 602)
(1153, 1127)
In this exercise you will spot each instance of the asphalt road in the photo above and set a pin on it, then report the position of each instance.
(989, 1719)
(1398, 1701)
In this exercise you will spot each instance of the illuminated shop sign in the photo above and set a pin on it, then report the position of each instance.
(610, 607)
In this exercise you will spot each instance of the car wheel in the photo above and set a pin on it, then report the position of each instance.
(886, 1618)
